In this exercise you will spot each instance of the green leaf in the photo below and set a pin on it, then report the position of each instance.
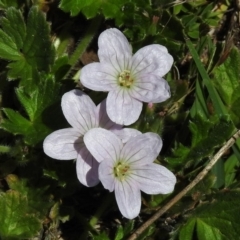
(128, 227)
(9, 3)
(187, 231)
(39, 99)
(17, 124)
(8, 48)
(24, 208)
(28, 45)
(217, 102)
(206, 136)
(17, 220)
(226, 81)
(119, 234)
(90, 8)
(230, 167)
(215, 220)
(101, 236)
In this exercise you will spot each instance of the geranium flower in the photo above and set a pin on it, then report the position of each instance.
(129, 79)
(67, 144)
(128, 168)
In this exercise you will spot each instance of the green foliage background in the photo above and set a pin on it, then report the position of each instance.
(44, 44)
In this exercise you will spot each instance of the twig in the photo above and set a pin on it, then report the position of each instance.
(198, 178)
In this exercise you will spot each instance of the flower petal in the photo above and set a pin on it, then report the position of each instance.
(103, 144)
(79, 110)
(126, 133)
(63, 144)
(152, 59)
(155, 179)
(128, 198)
(142, 149)
(104, 120)
(87, 168)
(151, 88)
(106, 174)
(122, 108)
(99, 77)
(112, 42)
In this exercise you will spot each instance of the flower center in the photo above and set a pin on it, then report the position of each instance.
(125, 79)
(121, 170)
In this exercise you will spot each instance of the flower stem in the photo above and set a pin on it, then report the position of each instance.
(85, 41)
(178, 197)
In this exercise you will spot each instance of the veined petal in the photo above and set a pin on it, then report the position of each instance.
(152, 59)
(154, 179)
(122, 108)
(142, 149)
(149, 88)
(128, 198)
(103, 144)
(87, 168)
(104, 120)
(106, 174)
(98, 77)
(63, 144)
(113, 42)
(79, 110)
(126, 133)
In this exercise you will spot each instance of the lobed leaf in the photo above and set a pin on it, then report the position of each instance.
(27, 45)
(23, 208)
(91, 8)
(215, 220)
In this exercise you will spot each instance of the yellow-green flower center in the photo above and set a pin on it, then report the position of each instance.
(125, 79)
(121, 170)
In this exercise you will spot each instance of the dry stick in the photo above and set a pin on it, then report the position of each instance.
(198, 178)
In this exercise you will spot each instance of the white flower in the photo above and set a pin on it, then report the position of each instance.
(67, 144)
(129, 79)
(128, 168)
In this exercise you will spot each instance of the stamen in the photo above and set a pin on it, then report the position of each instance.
(125, 79)
(121, 170)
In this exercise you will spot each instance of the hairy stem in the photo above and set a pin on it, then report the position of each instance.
(198, 178)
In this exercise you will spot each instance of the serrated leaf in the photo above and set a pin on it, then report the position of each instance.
(23, 208)
(13, 24)
(28, 45)
(90, 8)
(17, 221)
(8, 48)
(17, 124)
(39, 99)
(216, 220)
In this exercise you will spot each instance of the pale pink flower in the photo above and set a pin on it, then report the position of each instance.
(67, 144)
(130, 80)
(128, 168)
